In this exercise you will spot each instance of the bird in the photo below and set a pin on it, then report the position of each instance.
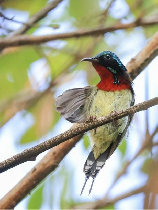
(113, 93)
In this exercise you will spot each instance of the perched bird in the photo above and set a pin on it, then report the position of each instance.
(113, 93)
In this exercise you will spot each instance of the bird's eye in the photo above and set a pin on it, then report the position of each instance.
(108, 57)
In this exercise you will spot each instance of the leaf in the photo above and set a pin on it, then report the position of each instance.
(36, 199)
(84, 11)
(86, 141)
(112, 206)
(66, 175)
(63, 202)
(148, 166)
(122, 147)
(13, 73)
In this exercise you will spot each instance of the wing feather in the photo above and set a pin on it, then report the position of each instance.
(71, 104)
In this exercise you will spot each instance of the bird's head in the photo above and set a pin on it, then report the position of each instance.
(111, 70)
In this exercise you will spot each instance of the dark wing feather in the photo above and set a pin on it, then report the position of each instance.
(71, 104)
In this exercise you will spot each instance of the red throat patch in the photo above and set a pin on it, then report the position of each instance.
(107, 80)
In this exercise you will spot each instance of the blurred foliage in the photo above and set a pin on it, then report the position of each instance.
(122, 147)
(59, 67)
(86, 141)
(24, 5)
(35, 201)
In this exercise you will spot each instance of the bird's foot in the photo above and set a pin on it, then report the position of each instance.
(113, 113)
(91, 119)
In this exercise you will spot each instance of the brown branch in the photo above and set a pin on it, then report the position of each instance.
(102, 203)
(142, 59)
(33, 152)
(32, 40)
(36, 17)
(21, 22)
(37, 174)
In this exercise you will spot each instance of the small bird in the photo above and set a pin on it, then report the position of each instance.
(113, 93)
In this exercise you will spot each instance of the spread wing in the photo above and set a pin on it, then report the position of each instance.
(71, 104)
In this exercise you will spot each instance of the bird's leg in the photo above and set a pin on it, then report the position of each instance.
(112, 113)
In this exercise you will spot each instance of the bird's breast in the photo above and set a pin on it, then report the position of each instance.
(102, 103)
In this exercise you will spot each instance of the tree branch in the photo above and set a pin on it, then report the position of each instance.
(37, 174)
(142, 59)
(35, 18)
(106, 202)
(32, 40)
(33, 152)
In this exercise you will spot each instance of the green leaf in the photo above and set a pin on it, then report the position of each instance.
(36, 199)
(66, 175)
(86, 141)
(112, 206)
(13, 73)
(122, 147)
(84, 11)
(148, 166)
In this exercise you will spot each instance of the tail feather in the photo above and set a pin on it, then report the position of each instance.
(92, 166)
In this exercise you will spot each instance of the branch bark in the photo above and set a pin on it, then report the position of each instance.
(33, 152)
(32, 40)
(144, 57)
(107, 202)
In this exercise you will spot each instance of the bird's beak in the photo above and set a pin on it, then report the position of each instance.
(93, 59)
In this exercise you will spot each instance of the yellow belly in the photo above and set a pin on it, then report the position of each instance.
(102, 103)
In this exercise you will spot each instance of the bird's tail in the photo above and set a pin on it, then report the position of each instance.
(92, 166)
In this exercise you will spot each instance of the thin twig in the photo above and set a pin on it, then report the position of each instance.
(33, 152)
(33, 40)
(106, 202)
(36, 17)
(21, 22)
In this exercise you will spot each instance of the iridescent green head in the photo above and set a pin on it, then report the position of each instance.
(109, 60)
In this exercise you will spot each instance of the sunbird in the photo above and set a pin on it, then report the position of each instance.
(113, 93)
